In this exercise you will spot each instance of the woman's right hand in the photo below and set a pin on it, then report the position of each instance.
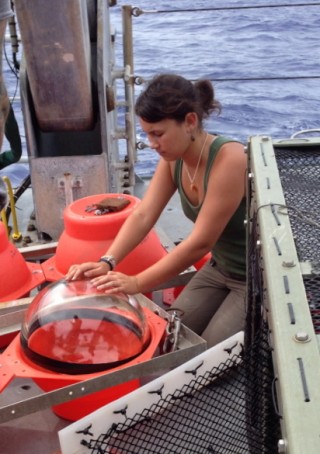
(88, 269)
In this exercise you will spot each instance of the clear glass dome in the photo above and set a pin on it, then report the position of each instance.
(71, 327)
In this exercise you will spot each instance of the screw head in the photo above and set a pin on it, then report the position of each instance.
(282, 446)
(302, 336)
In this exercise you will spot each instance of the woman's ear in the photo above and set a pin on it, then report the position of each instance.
(191, 120)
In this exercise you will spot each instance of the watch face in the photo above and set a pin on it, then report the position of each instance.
(71, 327)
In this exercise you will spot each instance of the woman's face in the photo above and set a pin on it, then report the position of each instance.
(167, 137)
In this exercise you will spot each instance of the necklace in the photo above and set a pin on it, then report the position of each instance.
(193, 187)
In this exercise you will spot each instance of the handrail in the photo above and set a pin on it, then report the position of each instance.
(129, 91)
(304, 131)
(16, 235)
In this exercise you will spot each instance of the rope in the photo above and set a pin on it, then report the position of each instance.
(137, 12)
(225, 8)
(299, 214)
(244, 79)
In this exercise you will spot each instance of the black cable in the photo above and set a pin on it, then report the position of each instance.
(228, 8)
(243, 79)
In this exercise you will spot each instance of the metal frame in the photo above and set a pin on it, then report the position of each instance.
(61, 173)
(189, 346)
(295, 347)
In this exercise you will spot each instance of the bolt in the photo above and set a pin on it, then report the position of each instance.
(290, 264)
(302, 337)
(282, 446)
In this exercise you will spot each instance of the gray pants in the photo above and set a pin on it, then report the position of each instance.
(213, 305)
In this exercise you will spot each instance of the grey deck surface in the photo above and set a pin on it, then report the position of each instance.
(36, 433)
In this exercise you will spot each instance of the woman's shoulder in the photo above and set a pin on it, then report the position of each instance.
(225, 145)
(226, 152)
(220, 141)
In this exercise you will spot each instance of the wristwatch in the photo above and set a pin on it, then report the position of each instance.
(110, 260)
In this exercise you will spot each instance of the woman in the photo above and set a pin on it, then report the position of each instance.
(209, 173)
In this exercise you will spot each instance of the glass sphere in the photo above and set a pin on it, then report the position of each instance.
(71, 327)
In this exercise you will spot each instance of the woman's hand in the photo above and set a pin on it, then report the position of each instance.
(88, 269)
(115, 282)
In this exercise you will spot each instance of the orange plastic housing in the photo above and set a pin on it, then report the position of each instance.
(16, 364)
(17, 277)
(87, 237)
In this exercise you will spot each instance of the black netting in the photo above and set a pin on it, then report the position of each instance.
(227, 410)
(312, 286)
(223, 411)
(299, 170)
(263, 420)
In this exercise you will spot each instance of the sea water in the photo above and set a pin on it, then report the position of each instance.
(261, 61)
(262, 58)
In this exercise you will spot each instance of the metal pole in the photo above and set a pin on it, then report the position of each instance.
(129, 90)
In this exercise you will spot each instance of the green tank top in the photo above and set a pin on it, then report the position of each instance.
(230, 250)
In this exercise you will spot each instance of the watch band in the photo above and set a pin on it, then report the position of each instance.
(110, 260)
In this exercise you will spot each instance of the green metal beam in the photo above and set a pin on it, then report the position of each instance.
(295, 347)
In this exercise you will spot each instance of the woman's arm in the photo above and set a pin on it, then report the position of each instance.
(226, 188)
(146, 214)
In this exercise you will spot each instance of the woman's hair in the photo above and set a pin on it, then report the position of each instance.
(169, 96)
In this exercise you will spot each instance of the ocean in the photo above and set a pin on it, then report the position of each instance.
(262, 57)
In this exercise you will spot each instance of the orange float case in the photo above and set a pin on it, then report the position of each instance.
(16, 364)
(17, 277)
(87, 237)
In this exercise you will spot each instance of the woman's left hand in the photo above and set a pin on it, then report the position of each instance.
(115, 282)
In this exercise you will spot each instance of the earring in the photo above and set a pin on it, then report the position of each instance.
(193, 137)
